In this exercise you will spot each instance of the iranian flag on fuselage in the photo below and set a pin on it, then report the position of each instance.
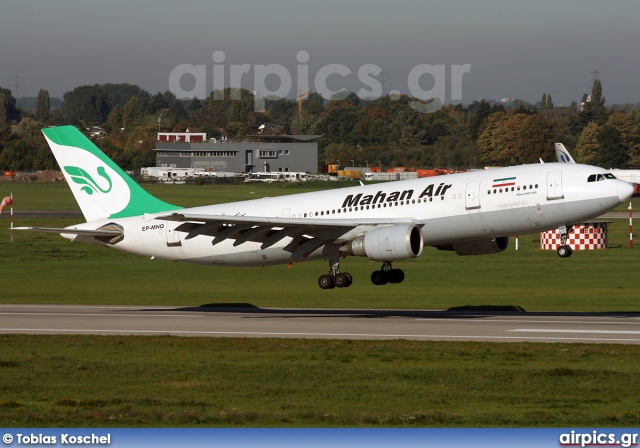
(504, 182)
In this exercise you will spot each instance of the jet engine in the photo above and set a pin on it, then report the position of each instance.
(389, 243)
(478, 247)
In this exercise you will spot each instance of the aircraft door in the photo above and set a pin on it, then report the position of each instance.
(173, 236)
(554, 185)
(472, 195)
(286, 212)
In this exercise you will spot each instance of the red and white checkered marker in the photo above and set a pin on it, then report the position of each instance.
(583, 237)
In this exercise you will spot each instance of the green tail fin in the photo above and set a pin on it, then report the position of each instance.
(100, 187)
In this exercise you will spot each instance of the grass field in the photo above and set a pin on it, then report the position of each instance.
(169, 381)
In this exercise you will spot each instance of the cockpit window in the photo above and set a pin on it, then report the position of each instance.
(599, 177)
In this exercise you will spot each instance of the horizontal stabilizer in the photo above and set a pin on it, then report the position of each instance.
(84, 232)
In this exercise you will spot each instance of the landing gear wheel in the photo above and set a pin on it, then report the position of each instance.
(341, 280)
(349, 279)
(396, 276)
(379, 278)
(326, 281)
(564, 251)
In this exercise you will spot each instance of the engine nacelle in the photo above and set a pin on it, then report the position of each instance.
(478, 247)
(388, 243)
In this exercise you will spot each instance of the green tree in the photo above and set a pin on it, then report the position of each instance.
(158, 102)
(631, 137)
(85, 105)
(8, 106)
(115, 121)
(43, 106)
(515, 139)
(177, 111)
(587, 148)
(3, 109)
(592, 110)
(611, 153)
(479, 112)
(194, 105)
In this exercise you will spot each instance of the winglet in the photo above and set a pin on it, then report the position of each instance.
(101, 188)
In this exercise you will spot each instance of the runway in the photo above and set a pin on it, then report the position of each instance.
(230, 321)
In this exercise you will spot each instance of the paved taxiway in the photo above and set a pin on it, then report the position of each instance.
(322, 323)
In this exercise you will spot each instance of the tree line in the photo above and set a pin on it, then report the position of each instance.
(124, 120)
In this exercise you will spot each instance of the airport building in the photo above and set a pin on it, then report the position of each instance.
(261, 153)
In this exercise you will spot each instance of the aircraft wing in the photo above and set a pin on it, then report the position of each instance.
(308, 234)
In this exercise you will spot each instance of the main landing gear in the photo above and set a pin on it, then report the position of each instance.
(387, 274)
(335, 279)
(564, 251)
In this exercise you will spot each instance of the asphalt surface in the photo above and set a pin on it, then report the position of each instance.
(232, 321)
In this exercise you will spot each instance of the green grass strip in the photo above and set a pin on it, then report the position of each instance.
(173, 381)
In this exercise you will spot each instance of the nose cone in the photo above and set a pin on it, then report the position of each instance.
(625, 190)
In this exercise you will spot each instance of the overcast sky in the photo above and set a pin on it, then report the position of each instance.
(515, 48)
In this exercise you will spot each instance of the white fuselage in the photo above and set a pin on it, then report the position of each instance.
(452, 208)
(631, 176)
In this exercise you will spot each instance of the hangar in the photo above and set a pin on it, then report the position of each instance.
(259, 153)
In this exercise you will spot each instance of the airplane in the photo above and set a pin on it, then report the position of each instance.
(471, 213)
(631, 176)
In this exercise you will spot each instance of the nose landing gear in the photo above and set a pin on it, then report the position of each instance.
(564, 251)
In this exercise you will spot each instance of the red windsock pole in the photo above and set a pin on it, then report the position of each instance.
(630, 226)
